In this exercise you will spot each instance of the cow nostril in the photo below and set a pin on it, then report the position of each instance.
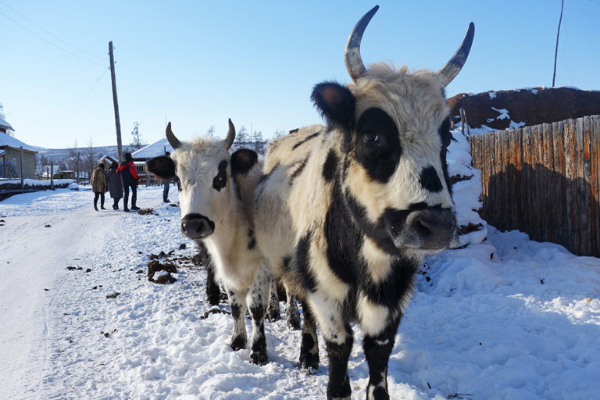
(423, 227)
(197, 226)
(426, 226)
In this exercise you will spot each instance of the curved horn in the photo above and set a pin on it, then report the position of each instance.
(173, 141)
(230, 135)
(449, 71)
(352, 57)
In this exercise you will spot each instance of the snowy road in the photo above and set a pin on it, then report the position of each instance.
(32, 265)
(506, 319)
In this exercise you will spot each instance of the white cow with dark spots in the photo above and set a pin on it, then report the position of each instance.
(216, 199)
(345, 213)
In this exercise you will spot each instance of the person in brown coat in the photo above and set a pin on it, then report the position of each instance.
(99, 185)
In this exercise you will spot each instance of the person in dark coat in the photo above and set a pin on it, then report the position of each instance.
(166, 186)
(130, 177)
(115, 186)
(99, 185)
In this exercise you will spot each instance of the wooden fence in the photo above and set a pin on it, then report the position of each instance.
(544, 180)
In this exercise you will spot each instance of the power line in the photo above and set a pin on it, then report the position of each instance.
(73, 107)
(49, 42)
(50, 33)
(562, 6)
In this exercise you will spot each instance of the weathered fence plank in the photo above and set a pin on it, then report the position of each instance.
(595, 179)
(544, 180)
(559, 233)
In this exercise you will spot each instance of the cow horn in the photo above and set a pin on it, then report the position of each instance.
(354, 63)
(173, 141)
(449, 71)
(230, 135)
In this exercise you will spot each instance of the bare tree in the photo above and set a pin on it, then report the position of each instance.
(41, 162)
(3, 116)
(136, 141)
(90, 158)
(278, 133)
(211, 132)
(242, 137)
(258, 144)
(69, 162)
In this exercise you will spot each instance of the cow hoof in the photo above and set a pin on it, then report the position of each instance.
(274, 314)
(340, 393)
(309, 362)
(238, 343)
(294, 323)
(259, 358)
(379, 393)
(214, 300)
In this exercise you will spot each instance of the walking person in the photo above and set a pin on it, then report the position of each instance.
(115, 185)
(99, 185)
(166, 186)
(129, 176)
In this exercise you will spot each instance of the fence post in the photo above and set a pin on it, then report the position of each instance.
(463, 121)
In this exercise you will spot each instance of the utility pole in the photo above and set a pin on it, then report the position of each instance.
(115, 101)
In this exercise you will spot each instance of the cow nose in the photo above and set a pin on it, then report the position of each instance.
(197, 226)
(432, 228)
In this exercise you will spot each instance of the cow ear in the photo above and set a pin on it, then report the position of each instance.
(336, 104)
(162, 167)
(242, 161)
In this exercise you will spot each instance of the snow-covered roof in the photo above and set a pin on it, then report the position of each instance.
(5, 125)
(9, 141)
(153, 150)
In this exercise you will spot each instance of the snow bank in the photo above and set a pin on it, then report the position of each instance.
(507, 318)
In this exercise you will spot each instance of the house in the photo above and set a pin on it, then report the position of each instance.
(107, 161)
(5, 126)
(10, 155)
(142, 155)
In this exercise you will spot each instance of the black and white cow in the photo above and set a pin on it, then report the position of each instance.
(216, 199)
(345, 213)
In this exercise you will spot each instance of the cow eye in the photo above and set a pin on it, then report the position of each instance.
(220, 181)
(370, 137)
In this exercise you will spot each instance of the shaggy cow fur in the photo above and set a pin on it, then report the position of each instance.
(346, 212)
(216, 200)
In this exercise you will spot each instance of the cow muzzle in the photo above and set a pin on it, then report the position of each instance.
(197, 226)
(430, 230)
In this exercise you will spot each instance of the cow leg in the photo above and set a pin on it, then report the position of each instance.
(377, 350)
(258, 300)
(274, 312)
(213, 291)
(338, 340)
(309, 350)
(338, 354)
(292, 314)
(237, 303)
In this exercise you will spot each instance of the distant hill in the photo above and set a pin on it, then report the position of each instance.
(58, 154)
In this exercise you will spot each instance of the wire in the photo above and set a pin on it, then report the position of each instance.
(50, 33)
(49, 42)
(74, 106)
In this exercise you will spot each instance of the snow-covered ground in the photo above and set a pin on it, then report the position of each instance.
(505, 319)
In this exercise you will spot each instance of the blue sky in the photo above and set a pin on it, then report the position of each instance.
(198, 63)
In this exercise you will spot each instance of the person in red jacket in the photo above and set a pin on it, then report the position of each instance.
(129, 176)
